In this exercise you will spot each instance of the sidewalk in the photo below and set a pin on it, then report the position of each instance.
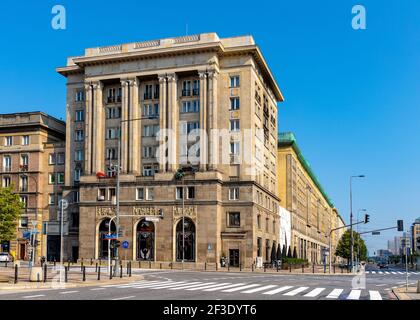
(402, 294)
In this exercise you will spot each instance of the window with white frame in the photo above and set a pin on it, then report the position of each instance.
(76, 196)
(80, 96)
(113, 112)
(51, 178)
(179, 192)
(148, 152)
(112, 133)
(151, 110)
(23, 222)
(234, 125)
(25, 140)
(187, 127)
(190, 106)
(78, 155)
(234, 148)
(77, 174)
(150, 130)
(111, 194)
(60, 158)
(234, 193)
(24, 200)
(234, 81)
(80, 115)
(7, 163)
(79, 136)
(24, 183)
(8, 141)
(190, 192)
(111, 153)
(60, 177)
(6, 182)
(51, 199)
(52, 158)
(24, 160)
(150, 193)
(234, 103)
(150, 170)
(139, 193)
(234, 219)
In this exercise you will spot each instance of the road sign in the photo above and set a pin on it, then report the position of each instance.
(153, 219)
(110, 236)
(63, 204)
(375, 233)
(125, 244)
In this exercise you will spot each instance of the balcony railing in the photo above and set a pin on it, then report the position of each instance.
(147, 96)
(156, 95)
(196, 92)
(114, 99)
(7, 169)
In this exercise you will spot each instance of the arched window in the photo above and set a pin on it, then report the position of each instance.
(145, 240)
(185, 240)
(103, 242)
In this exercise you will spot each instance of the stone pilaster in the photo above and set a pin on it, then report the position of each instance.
(125, 125)
(98, 130)
(163, 116)
(173, 122)
(203, 121)
(135, 137)
(89, 89)
(212, 118)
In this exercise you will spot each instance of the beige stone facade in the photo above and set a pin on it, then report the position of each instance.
(181, 84)
(313, 213)
(32, 154)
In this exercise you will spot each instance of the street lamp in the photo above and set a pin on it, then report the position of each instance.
(351, 220)
(358, 244)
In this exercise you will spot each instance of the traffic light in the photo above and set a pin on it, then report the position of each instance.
(400, 225)
(366, 218)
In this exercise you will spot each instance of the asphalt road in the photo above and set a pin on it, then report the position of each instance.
(196, 285)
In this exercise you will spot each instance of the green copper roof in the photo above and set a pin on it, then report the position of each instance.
(288, 139)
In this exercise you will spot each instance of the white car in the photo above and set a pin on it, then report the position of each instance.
(5, 257)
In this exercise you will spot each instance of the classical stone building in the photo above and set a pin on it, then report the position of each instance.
(220, 88)
(313, 213)
(32, 153)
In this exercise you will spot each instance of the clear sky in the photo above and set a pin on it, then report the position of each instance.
(351, 96)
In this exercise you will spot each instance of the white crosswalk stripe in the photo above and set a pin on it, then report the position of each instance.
(137, 284)
(374, 295)
(354, 295)
(335, 294)
(241, 288)
(207, 286)
(373, 272)
(259, 289)
(173, 285)
(314, 292)
(224, 287)
(380, 272)
(393, 272)
(281, 289)
(190, 286)
(155, 284)
(295, 291)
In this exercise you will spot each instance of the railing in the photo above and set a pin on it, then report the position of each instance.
(7, 169)
(23, 167)
(196, 92)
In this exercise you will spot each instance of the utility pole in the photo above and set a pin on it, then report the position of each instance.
(351, 221)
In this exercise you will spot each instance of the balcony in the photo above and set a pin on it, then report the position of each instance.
(186, 92)
(156, 95)
(114, 99)
(101, 198)
(7, 169)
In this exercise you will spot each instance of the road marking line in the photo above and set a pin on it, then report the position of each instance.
(241, 288)
(393, 272)
(140, 283)
(208, 286)
(170, 285)
(96, 289)
(165, 283)
(335, 294)
(125, 284)
(380, 272)
(400, 272)
(224, 287)
(354, 295)
(259, 289)
(35, 296)
(66, 292)
(381, 285)
(198, 284)
(278, 290)
(373, 272)
(296, 291)
(123, 298)
(375, 295)
(386, 272)
(314, 292)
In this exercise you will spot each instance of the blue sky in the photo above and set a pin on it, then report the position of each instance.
(351, 96)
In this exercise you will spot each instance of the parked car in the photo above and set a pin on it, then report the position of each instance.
(5, 257)
(382, 265)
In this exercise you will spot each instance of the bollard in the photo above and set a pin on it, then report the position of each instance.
(130, 271)
(160, 265)
(252, 267)
(265, 267)
(99, 273)
(121, 270)
(240, 267)
(96, 267)
(172, 265)
(91, 261)
(150, 264)
(139, 264)
(66, 269)
(290, 267)
(84, 273)
(334, 268)
(205, 266)
(45, 272)
(277, 266)
(16, 273)
(313, 268)
(5, 264)
(303, 268)
(81, 265)
(54, 262)
(110, 272)
(216, 266)
(418, 286)
(228, 266)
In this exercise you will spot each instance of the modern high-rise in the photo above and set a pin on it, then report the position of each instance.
(32, 154)
(202, 103)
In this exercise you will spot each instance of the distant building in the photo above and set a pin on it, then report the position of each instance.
(383, 253)
(415, 231)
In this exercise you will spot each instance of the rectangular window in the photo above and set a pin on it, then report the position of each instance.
(234, 125)
(150, 170)
(234, 81)
(196, 87)
(151, 110)
(112, 133)
(7, 163)
(77, 174)
(79, 135)
(76, 196)
(111, 153)
(150, 194)
(6, 182)
(190, 192)
(113, 113)
(51, 199)
(148, 152)
(78, 155)
(266, 224)
(190, 106)
(8, 141)
(234, 193)
(150, 130)
(60, 158)
(80, 96)
(111, 96)
(187, 127)
(80, 115)
(111, 194)
(234, 219)
(140, 194)
(148, 91)
(186, 88)
(24, 160)
(234, 103)
(25, 140)
(60, 177)
(23, 222)
(259, 221)
(24, 184)
(234, 148)
(179, 193)
(51, 178)
(24, 200)
(52, 158)
(259, 247)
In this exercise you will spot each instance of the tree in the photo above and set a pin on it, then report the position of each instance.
(294, 253)
(343, 246)
(10, 208)
(284, 252)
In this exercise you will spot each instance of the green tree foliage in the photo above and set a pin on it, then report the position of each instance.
(343, 247)
(10, 207)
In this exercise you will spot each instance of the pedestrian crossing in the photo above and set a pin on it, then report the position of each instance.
(392, 272)
(250, 289)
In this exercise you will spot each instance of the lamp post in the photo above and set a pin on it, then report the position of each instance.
(351, 220)
(358, 243)
(33, 244)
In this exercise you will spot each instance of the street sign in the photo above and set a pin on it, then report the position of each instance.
(153, 219)
(375, 233)
(63, 204)
(110, 236)
(125, 244)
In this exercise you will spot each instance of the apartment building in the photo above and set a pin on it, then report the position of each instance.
(200, 103)
(32, 153)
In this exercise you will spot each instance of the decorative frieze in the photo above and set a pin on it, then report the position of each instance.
(189, 211)
(102, 212)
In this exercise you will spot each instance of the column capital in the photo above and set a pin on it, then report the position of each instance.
(202, 74)
(172, 77)
(162, 78)
(212, 74)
